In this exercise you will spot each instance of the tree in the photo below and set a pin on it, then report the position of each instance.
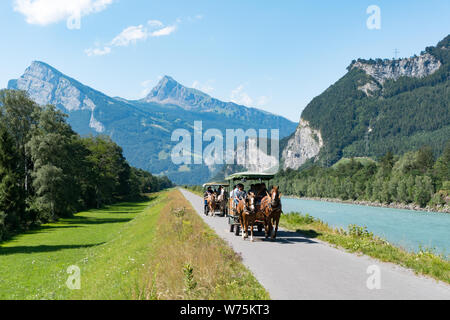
(423, 190)
(50, 201)
(19, 115)
(47, 171)
(425, 159)
(386, 164)
(12, 201)
(108, 169)
(442, 167)
(53, 176)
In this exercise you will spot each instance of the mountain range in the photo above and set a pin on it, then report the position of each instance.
(143, 128)
(379, 106)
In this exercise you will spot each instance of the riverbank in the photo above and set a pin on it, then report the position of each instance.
(359, 240)
(394, 205)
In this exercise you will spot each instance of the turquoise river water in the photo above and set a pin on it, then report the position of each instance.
(406, 228)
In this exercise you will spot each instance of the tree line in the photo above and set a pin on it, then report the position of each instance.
(415, 177)
(47, 171)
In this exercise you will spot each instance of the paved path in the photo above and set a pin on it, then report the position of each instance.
(297, 268)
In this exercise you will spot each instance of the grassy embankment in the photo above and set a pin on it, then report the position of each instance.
(359, 240)
(159, 249)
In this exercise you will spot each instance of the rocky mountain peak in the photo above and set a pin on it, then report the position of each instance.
(169, 91)
(46, 85)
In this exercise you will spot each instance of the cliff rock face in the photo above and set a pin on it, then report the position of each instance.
(45, 85)
(416, 67)
(304, 145)
(254, 159)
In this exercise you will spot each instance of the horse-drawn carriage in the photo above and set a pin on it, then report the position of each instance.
(216, 203)
(256, 184)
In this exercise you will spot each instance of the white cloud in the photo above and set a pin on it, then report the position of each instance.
(98, 51)
(45, 12)
(263, 101)
(147, 86)
(130, 35)
(133, 34)
(239, 96)
(155, 23)
(206, 88)
(164, 31)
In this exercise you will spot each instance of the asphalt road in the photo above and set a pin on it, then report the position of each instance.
(297, 268)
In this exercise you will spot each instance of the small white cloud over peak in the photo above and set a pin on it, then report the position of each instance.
(263, 101)
(45, 12)
(147, 87)
(239, 96)
(204, 87)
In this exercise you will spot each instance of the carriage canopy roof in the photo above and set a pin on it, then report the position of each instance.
(250, 176)
(216, 184)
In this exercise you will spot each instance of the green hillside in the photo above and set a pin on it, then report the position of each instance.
(399, 115)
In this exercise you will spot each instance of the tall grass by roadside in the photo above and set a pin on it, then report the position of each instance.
(191, 262)
(359, 240)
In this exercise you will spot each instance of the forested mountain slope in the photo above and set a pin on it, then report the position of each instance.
(378, 106)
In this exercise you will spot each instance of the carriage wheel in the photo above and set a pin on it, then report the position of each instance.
(237, 230)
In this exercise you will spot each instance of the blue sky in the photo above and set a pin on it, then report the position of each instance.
(274, 55)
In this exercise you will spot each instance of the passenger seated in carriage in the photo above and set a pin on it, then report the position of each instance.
(221, 193)
(240, 194)
(208, 192)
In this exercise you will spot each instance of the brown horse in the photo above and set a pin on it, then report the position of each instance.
(222, 202)
(241, 210)
(250, 216)
(212, 204)
(271, 208)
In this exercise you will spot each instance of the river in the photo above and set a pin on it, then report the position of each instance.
(405, 228)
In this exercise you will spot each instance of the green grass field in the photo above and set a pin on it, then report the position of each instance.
(126, 251)
(34, 265)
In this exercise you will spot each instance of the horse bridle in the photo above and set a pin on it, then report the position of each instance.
(252, 210)
(272, 202)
